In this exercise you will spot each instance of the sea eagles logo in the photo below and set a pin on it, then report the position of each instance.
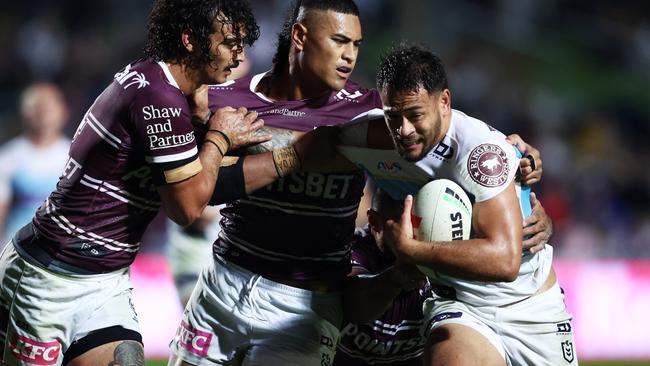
(567, 351)
(133, 77)
(488, 165)
(344, 94)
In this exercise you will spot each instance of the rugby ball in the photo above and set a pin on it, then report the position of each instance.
(442, 211)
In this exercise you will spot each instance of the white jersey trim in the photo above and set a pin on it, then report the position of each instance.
(102, 131)
(168, 74)
(309, 207)
(172, 157)
(296, 209)
(255, 80)
(76, 231)
(119, 194)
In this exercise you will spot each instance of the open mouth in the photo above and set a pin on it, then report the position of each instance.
(410, 143)
(344, 71)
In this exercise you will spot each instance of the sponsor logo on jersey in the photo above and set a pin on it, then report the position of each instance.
(127, 78)
(488, 165)
(71, 167)
(151, 112)
(325, 359)
(33, 351)
(346, 95)
(390, 166)
(443, 151)
(564, 328)
(194, 340)
(365, 339)
(328, 186)
(567, 351)
(154, 130)
(164, 142)
(283, 111)
(326, 341)
(140, 176)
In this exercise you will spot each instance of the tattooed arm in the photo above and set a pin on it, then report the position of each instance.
(258, 166)
(281, 138)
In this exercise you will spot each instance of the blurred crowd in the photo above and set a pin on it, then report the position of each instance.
(568, 76)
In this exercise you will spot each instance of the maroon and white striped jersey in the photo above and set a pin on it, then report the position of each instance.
(299, 227)
(136, 135)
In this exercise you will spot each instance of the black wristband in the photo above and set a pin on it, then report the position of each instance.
(224, 136)
(216, 145)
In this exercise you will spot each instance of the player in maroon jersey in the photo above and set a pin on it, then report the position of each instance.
(66, 295)
(284, 249)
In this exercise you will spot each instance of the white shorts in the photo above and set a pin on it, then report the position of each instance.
(535, 331)
(237, 316)
(187, 256)
(43, 314)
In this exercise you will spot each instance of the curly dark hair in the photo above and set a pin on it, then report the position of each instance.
(406, 67)
(169, 18)
(281, 57)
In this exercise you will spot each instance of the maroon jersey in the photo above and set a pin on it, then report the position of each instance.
(136, 135)
(301, 226)
(394, 338)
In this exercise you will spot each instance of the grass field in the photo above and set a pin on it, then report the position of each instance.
(607, 363)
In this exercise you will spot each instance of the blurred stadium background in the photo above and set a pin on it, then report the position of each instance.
(570, 76)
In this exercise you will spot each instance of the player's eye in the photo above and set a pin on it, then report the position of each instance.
(391, 116)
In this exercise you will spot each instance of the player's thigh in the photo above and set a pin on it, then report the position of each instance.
(543, 340)
(459, 345)
(121, 353)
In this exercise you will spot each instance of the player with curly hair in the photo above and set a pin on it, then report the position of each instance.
(65, 297)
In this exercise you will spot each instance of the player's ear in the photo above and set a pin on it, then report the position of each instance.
(186, 40)
(444, 101)
(298, 35)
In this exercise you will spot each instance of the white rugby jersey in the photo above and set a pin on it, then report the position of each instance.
(28, 174)
(478, 158)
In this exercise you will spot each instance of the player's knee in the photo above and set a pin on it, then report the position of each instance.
(119, 353)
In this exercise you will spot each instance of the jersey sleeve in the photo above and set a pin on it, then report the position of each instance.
(164, 129)
(487, 169)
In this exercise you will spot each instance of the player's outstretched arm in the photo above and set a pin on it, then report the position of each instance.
(367, 296)
(531, 165)
(228, 129)
(494, 255)
(538, 227)
(312, 151)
